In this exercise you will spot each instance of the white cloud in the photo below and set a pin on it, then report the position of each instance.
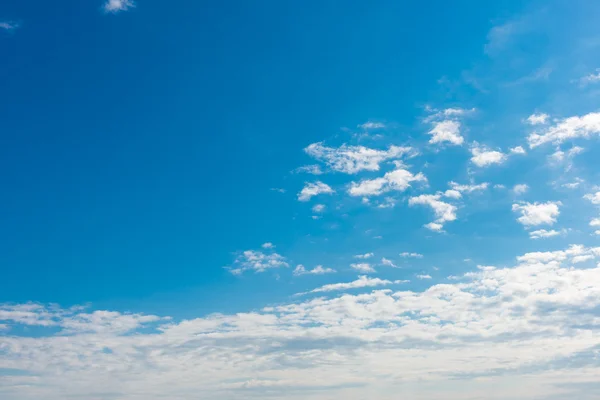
(423, 276)
(573, 185)
(257, 261)
(9, 26)
(533, 214)
(407, 254)
(456, 340)
(567, 129)
(595, 222)
(388, 263)
(310, 169)
(590, 79)
(444, 212)
(537, 119)
(593, 197)
(399, 179)
(312, 189)
(518, 150)
(372, 125)
(365, 268)
(447, 131)
(115, 6)
(279, 190)
(353, 159)
(468, 188)
(560, 157)
(318, 208)
(520, 188)
(452, 194)
(364, 256)
(543, 233)
(318, 270)
(482, 156)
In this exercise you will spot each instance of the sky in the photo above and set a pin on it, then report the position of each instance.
(299, 200)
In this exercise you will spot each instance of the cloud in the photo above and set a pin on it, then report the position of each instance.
(595, 222)
(559, 156)
(8, 25)
(593, 197)
(567, 129)
(310, 169)
(353, 159)
(318, 270)
(362, 282)
(520, 188)
(318, 208)
(592, 78)
(537, 119)
(543, 233)
(364, 256)
(463, 339)
(407, 254)
(279, 190)
(452, 194)
(388, 263)
(444, 212)
(365, 268)
(518, 150)
(268, 245)
(468, 188)
(257, 261)
(372, 125)
(312, 189)
(483, 156)
(398, 180)
(447, 131)
(423, 276)
(573, 185)
(533, 214)
(115, 6)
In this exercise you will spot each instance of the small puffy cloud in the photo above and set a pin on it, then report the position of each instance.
(483, 156)
(363, 267)
(537, 119)
(567, 129)
(313, 189)
(362, 282)
(447, 131)
(407, 254)
(310, 169)
(388, 263)
(423, 276)
(595, 222)
(443, 211)
(573, 185)
(533, 214)
(593, 197)
(520, 188)
(590, 79)
(518, 150)
(559, 156)
(452, 194)
(257, 261)
(372, 125)
(543, 234)
(268, 245)
(318, 270)
(8, 25)
(399, 180)
(364, 256)
(468, 188)
(115, 6)
(318, 208)
(353, 159)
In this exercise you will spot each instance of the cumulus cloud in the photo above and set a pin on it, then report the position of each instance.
(318, 208)
(483, 156)
(353, 159)
(407, 254)
(268, 245)
(469, 188)
(388, 263)
(595, 222)
(115, 6)
(520, 188)
(443, 211)
(257, 261)
(447, 131)
(312, 189)
(543, 233)
(372, 125)
(567, 129)
(452, 194)
(442, 341)
(423, 276)
(365, 268)
(398, 180)
(594, 198)
(518, 150)
(364, 256)
(537, 119)
(318, 270)
(533, 214)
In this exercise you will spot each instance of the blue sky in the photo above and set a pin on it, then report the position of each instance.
(299, 200)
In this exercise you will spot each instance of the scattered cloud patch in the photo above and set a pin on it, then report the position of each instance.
(312, 189)
(470, 188)
(365, 268)
(364, 256)
(518, 150)
(567, 129)
(388, 263)
(407, 254)
(257, 261)
(268, 245)
(318, 208)
(594, 198)
(318, 270)
(592, 78)
(398, 180)
(115, 6)
(538, 119)
(520, 188)
(362, 282)
(444, 212)
(423, 276)
(372, 125)
(312, 169)
(447, 131)
(8, 25)
(483, 156)
(543, 234)
(533, 214)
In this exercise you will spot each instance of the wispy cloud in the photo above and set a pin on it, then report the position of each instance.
(115, 6)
